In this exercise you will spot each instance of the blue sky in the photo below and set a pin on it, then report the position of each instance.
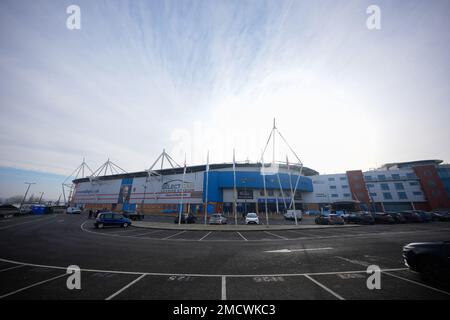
(190, 76)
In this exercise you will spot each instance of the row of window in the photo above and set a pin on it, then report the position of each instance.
(394, 176)
(384, 186)
(401, 195)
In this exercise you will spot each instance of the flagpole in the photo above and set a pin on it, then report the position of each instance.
(292, 191)
(182, 191)
(206, 191)
(234, 188)
(265, 189)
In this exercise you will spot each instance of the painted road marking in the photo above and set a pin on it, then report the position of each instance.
(143, 234)
(224, 288)
(205, 236)
(31, 286)
(298, 250)
(173, 235)
(324, 287)
(203, 274)
(126, 287)
(365, 264)
(275, 235)
(241, 236)
(309, 236)
(417, 283)
(11, 268)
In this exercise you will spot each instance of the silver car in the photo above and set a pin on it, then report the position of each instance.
(217, 218)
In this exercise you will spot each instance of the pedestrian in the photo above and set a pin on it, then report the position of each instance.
(90, 213)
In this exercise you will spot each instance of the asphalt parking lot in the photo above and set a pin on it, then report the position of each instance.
(138, 263)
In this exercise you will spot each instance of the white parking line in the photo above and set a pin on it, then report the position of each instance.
(205, 236)
(324, 287)
(126, 287)
(241, 236)
(142, 234)
(275, 235)
(173, 235)
(199, 274)
(417, 283)
(31, 286)
(11, 268)
(224, 288)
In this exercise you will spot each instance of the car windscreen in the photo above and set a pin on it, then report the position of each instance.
(251, 215)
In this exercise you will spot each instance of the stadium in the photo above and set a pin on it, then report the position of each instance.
(274, 187)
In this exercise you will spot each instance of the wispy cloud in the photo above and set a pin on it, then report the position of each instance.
(197, 75)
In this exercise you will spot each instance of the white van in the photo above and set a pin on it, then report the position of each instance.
(290, 215)
(73, 210)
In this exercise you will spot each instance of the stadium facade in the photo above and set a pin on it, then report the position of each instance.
(423, 185)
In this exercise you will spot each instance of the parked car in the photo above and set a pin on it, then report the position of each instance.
(186, 218)
(381, 217)
(329, 219)
(398, 217)
(218, 218)
(411, 216)
(312, 212)
(73, 210)
(111, 219)
(429, 258)
(290, 215)
(133, 215)
(251, 218)
(425, 216)
(441, 216)
(359, 218)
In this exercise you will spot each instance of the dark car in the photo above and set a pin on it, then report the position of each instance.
(398, 217)
(425, 216)
(411, 216)
(381, 217)
(329, 219)
(441, 216)
(111, 219)
(431, 259)
(359, 218)
(133, 215)
(190, 218)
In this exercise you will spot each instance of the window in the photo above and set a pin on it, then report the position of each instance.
(395, 176)
(368, 178)
(347, 195)
(387, 196)
(417, 193)
(402, 195)
(399, 186)
(343, 178)
(384, 186)
(330, 179)
(370, 185)
(334, 195)
(411, 176)
(344, 186)
(381, 177)
(413, 183)
(332, 187)
(373, 194)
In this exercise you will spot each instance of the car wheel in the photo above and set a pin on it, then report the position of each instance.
(100, 226)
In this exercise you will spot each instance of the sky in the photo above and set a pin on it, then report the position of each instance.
(193, 76)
